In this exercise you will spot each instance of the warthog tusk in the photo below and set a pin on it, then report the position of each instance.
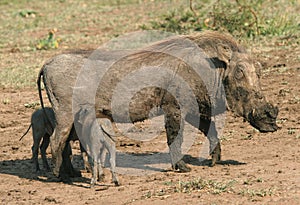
(253, 111)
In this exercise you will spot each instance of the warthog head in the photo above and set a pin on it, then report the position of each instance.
(241, 79)
(243, 91)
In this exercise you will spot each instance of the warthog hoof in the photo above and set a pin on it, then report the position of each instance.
(101, 178)
(56, 172)
(93, 182)
(75, 173)
(181, 166)
(117, 183)
(65, 179)
(48, 169)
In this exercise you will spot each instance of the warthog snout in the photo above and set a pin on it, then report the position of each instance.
(264, 118)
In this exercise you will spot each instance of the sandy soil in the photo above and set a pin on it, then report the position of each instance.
(256, 168)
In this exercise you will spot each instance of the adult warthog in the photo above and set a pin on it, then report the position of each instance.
(191, 77)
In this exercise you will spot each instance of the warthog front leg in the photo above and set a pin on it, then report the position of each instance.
(216, 154)
(208, 127)
(174, 125)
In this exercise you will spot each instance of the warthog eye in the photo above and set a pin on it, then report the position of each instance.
(239, 72)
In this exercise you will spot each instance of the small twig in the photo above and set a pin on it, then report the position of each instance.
(252, 12)
(256, 19)
(191, 7)
(195, 14)
(214, 13)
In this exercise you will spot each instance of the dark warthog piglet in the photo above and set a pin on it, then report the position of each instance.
(39, 132)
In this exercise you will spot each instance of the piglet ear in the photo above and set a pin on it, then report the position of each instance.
(224, 53)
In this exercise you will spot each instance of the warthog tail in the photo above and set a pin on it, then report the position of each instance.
(108, 134)
(49, 126)
(25, 132)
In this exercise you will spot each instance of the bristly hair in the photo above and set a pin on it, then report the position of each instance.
(208, 40)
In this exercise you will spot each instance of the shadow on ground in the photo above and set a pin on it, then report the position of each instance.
(127, 163)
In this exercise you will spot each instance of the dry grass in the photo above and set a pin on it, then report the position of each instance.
(79, 25)
(87, 24)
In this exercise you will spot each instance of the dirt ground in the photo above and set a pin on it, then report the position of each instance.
(256, 168)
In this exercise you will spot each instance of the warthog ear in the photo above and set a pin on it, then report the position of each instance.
(224, 53)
